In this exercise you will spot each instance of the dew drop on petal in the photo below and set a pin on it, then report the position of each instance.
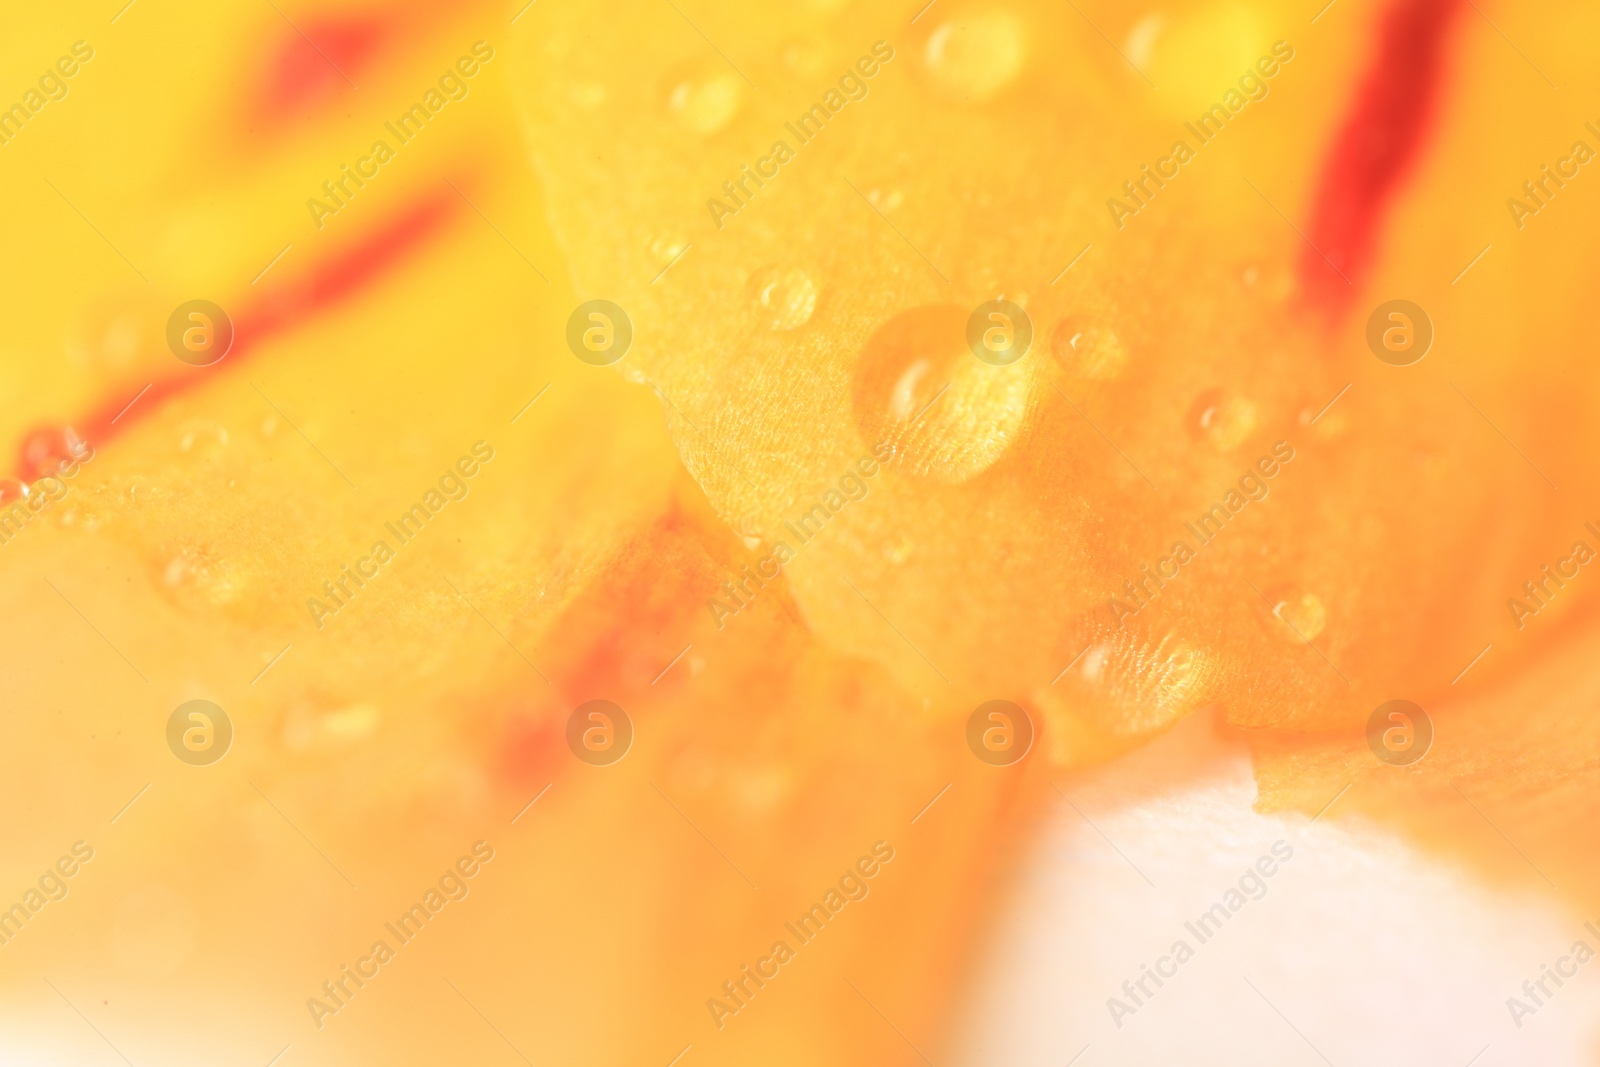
(1224, 419)
(1127, 685)
(1293, 615)
(975, 56)
(948, 415)
(1087, 349)
(785, 297)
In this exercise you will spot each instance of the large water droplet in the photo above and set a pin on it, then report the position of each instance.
(976, 56)
(784, 297)
(1291, 614)
(1128, 685)
(948, 415)
(706, 103)
(1224, 419)
(1087, 349)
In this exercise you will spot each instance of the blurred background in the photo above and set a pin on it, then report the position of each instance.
(665, 532)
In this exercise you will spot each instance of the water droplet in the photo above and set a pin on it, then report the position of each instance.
(1201, 50)
(785, 297)
(1128, 685)
(1087, 349)
(976, 56)
(1223, 418)
(707, 103)
(947, 415)
(1294, 615)
(12, 490)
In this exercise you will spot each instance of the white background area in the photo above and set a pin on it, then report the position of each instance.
(1364, 951)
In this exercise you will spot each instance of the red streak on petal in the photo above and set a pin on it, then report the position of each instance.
(533, 750)
(304, 73)
(306, 70)
(335, 279)
(326, 284)
(1379, 143)
(597, 650)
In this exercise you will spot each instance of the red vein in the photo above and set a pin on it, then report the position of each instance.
(293, 303)
(1375, 149)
